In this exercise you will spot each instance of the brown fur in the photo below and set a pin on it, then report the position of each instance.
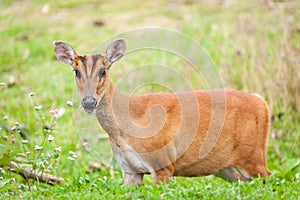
(169, 146)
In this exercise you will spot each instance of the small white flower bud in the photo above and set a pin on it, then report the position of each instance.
(24, 141)
(58, 149)
(38, 147)
(50, 138)
(31, 94)
(38, 107)
(69, 103)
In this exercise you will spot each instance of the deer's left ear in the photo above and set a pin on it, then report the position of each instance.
(115, 51)
(64, 52)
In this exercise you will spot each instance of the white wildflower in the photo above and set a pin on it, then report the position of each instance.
(50, 138)
(38, 147)
(24, 141)
(71, 158)
(5, 118)
(53, 112)
(31, 94)
(58, 149)
(69, 103)
(41, 164)
(38, 107)
(72, 155)
(27, 153)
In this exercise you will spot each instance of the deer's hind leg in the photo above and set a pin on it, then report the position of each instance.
(254, 170)
(253, 165)
(253, 161)
(249, 156)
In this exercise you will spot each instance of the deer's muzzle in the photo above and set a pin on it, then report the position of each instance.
(89, 104)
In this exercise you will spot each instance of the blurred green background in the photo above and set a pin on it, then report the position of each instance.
(254, 44)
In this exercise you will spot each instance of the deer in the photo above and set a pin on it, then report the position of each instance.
(221, 132)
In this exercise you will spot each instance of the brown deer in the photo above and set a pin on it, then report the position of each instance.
(195, 133)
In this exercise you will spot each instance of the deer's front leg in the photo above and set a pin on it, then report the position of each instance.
(132, 179)
(164, 174)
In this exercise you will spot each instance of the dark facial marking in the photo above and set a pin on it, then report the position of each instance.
(77, 73)
(102, 73)
(94, 58)
(83, 60)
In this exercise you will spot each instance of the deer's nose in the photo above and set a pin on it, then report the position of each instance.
(89, 102)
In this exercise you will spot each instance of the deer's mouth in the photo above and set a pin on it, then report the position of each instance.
(89, 111)
(89, 105)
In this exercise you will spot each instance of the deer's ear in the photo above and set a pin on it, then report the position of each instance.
(116, 50)
(64, 52)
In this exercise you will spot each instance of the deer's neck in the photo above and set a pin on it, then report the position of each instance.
(111, 100)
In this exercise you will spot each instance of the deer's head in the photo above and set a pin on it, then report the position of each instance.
(91, 71)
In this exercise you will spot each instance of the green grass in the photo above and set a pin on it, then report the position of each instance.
(255, 47)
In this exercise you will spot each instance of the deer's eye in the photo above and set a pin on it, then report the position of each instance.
(77, 73)
(102, 72)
